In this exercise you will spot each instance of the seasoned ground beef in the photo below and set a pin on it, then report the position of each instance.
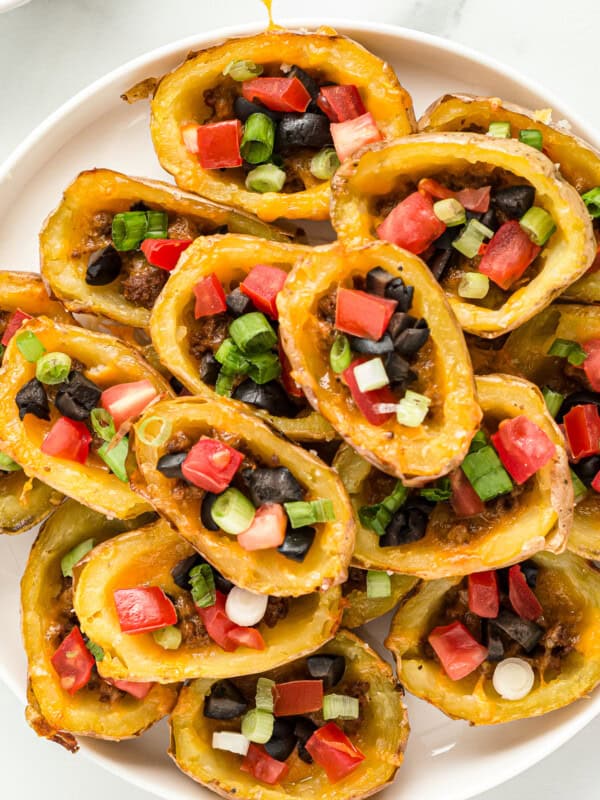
(185, 492)
(191, 626)
(359, 689)
(277, 609)
(179, 443)
(65, 616)
(357, 581)
(142, 283)
(106, 692)
(182, 228)
(208, 334)
(220, 100)
(326, 307)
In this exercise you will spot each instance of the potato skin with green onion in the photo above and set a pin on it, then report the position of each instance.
(362, 609)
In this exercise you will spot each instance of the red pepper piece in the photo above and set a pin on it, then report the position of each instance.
(523, 447)
(591, 365)
(143, 609)
(226, 633)
(596, 482)
(262, 766)
(465, 501)
(211, 465)
(332, 750)
(219, 144)
(521, 597)
(412, 224)
(137, 689)
(210, 297)
(262, 285)
(582, 430)
(484, 598)
(73, 662)
(362, 314)
(367, 402)
(164, 253)
(508, 254)
(68, 439)
(459, 653)
(341, 103)
(126, 401)
(472, 199)
(14, 323)
(351, 135)
(298, 697)
(277, 94)
(266, 530)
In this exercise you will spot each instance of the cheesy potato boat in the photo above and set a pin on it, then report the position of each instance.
(361, 608)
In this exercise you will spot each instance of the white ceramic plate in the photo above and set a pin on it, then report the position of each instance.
(96, 129)
(8, 5)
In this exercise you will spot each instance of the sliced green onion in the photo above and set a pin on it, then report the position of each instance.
(30, 346)
(538, 225)
(75, 555)
(439, 493)
(103, 424)
(266, 178)
(579, 487)
(376, 518)
(53, 368)
(396, 499)
(302, 512)
(202, 583)
(258, 139)
(474, 286)
(450, 211)
(324, 164)
(158, 225)
(168, 638)
(264, 367)
(412, 409)
(486, 474)
(471, 238)
(95, 650)
(232, 511)
(160, 437)
(129, 229)
(7, 464)
(478, 442)
(378, 584)
(243, 70)
(531, 137)
(252, 333)
(224, 383)
(371, 375)
(340, 706)
(340, 355)
(231, 358)
(592, 201)
(499, 130)
(553, 400)
(264, 694)
(572, 351)
(322, 510)
(115, 456)
(257, 726)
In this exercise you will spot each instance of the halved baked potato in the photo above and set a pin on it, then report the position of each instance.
(361, 608)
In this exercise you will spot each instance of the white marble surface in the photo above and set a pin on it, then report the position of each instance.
(50, 49)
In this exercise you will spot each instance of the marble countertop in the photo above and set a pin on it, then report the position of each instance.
(52, 48)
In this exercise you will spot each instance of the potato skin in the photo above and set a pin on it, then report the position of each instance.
(361, 609)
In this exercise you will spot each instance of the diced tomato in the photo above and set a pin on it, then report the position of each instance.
(412, 224)
(465, 501)
(582, 430)
(298, 697)
(251, 638)
(164, 253)
(289, 384)
(341, 103)
(137, 689)
(277, 94)
(332, 750)
(472, 199)
(226, 633)
(68, 439)
(484, 598)
(521, 597)
(126, 401)
(73, 662)
(508, 254)
(367, 402)
(596, 482)
(189, 134)
(210, 297)
(458, 651)
(262, 285)
(266, 530)
(219, 144)
(14, 323)
(523, 447)
(362, 314)
(351, 135)
(591, 365)
(211, 465)
(143, 609)
(262, 766)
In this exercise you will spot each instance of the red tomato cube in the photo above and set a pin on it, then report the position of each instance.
(412, 224)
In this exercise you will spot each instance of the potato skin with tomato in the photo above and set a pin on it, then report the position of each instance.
(382, 737)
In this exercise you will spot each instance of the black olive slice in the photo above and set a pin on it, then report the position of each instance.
(522, 631)
(371, 347)
(32, 399)
(397, 290)
(586, 469)
(398, 369)
(302, 130)
(399, 322)
(406, 526)
(303, 730)
(272, 485)
(514, 201)
(169, 465)
(238, 303)
(410, 341)
(441, 261)
(208, 502)
(282, 742)
(77, 397)
(377, 279)
(268, 396)
(242, 109)
(225, 701)
(309, 83)
(327, 668)
(297, 543)
(104, 266)
(530, 570)
(209, 368)
(181, 571)
(493, 642)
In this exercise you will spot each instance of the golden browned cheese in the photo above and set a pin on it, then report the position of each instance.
(568, 589)
(52, 712)
(361, 608)
(381, 736)
(362, 185)
(108, 362)
(415, 455)
(265, 571)
(182, 94)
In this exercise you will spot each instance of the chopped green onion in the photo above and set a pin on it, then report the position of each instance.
(538, 225)
(257, 726)
(592, 201)
(160, 437)
(53, 368)
(115, 456)
(371, 375)
(266, 178)
(258, 139)
(471, 238)
(479, 441)
(553, 400)
(202, 583)
(499, 130)
(264, 694)
(340, 355)
(322, 510)
(252, 333)
(377, 517)
(450, 211)
(30, 346)
(168, 638)
(7, 464)
(340, 706)
(158, 225)
(75, 555)
(103, 424)
(439, 493)
(378, 584)
(129, 229)
(224, 384)
(579, 487)
(264, 367)
(232, 511)
(324, 164)
(531, 137)
(486, 474)
(572, 351)
(95, 650)
(243, 70)
(302, 512)
(412, 409)
(474, 286)
(231, 358)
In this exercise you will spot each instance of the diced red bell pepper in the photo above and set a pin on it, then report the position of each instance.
(137, 689)
(126, 401)
(143, 609)
(596, 482)
(226, 633)
(68, 439)
(465, 501)
(262, 766)
(484, 597)
(289, 384)
(591, 365)
(582, 430)
(523, 447)
(341, 103)
(508, 254)
(267, 529)
(210, 297)
(73, 662)
(189, 134)
(14, 323)
(164, 253)
(472, 199)
(277, 94)
(521, 597)
(262, 285)
(351, 135)
(367, 402)
(332, 750)
(219, 144)
(297, 697)
(362, 314)
(251, 638)
(211, 465)
(457, 650)
(412, 224)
